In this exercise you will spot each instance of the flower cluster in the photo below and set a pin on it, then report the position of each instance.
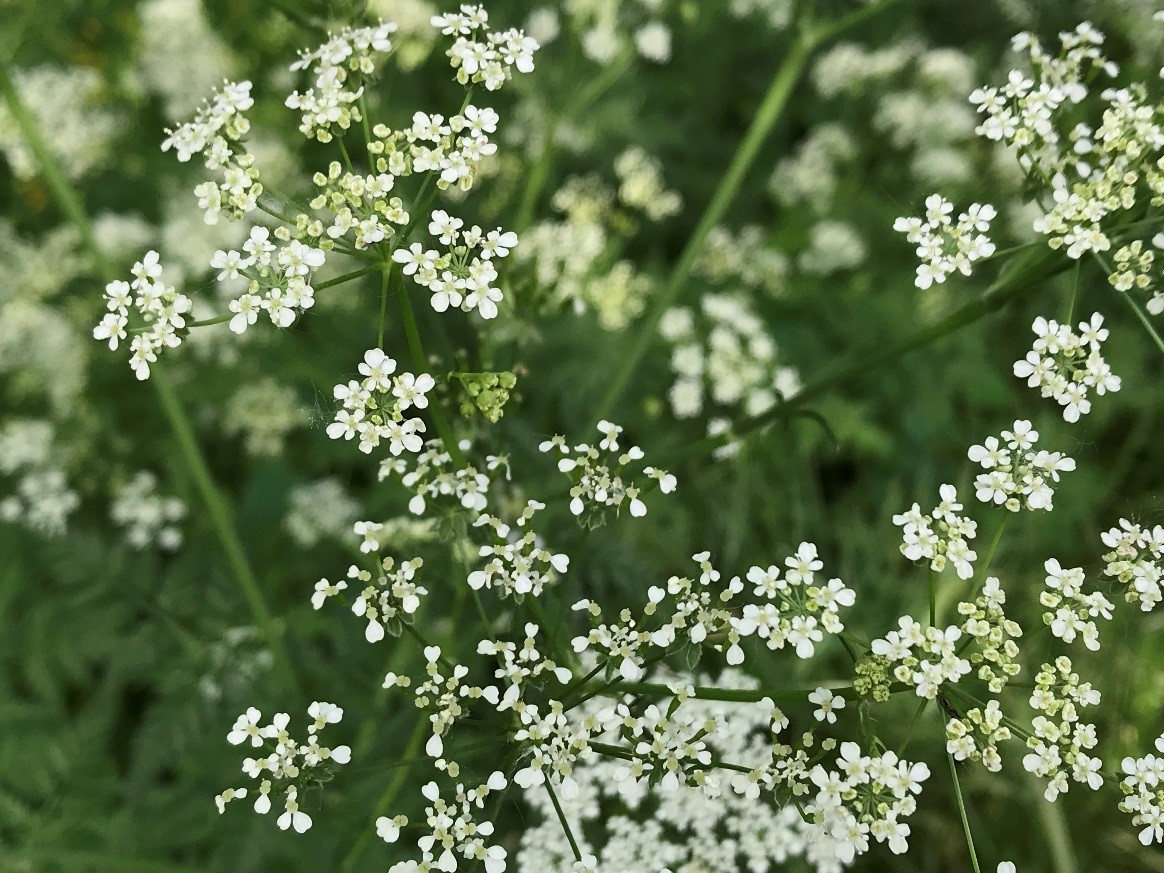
(596, 485)
(1092, 171)
(434, 476)
(742, 256)
(360, 205)
(618, 643)
(1070, 612)
(723, 354)
(1133, 269)
(485, 393)
(1067, 365)
(1022, 111)
(374, 407)
(715, 822)
(571, 258)
(924, 657)
(641, 185)
(217, 132)
(977, 734)
(162, 309)
(866, 796)
(557, 744)
(278, 278)
(385, 599)
(332, 102)
(41, 499)
(517, 564)
(264, 412)
(1060, 741)
(1136, 561)
(290, 767)
(453, 829)
(987, 625)
(1017, 475)
(946, 246)
(321, 510)
(452, 148)
(940, 537)
(1143, 788)
(148, 517)
(480, 55)
(463, 275)
(795, 610)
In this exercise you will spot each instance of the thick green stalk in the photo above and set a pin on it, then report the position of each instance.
(217, 508)
(779, 92)
(420, 363)
(385, 274)
(409, 756)
(1058, 832)
(775, 100)
(1021, 280)
(291, 11)
(540, 174)
(1135, 307)
(933, 589)
(107, 862)
(731, 694)
(562, 820)
(962, 813)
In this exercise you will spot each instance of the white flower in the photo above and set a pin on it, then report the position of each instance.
(246, 727)
(827, 705)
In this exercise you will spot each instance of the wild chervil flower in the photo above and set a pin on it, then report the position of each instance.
(374, 408)
(1067, 365)
(290, 766)
(941, 536)
(1017, 475)
(946, 246)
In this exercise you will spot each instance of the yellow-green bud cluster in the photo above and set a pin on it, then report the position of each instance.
(872, 680)
(486, 393)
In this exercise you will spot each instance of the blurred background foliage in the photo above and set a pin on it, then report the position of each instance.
(121, 668)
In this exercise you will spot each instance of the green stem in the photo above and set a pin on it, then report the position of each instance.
(933, 587)
(562, 819)
(365, 125)
(779, 92)
(344, 154)
(390, 792)
(540, 174)
(1021, 280)
(629, 755)
(217, 507)
(386, 272)
(962, 813)
(346, 277)
(989, 559)
(1135, 307)
(420, 363)
(1144, 320)
(775, 100)
(190, 325)
(1074, 295)
(921, 708)
(732, 694)
(295, 16)
(1058, 833)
